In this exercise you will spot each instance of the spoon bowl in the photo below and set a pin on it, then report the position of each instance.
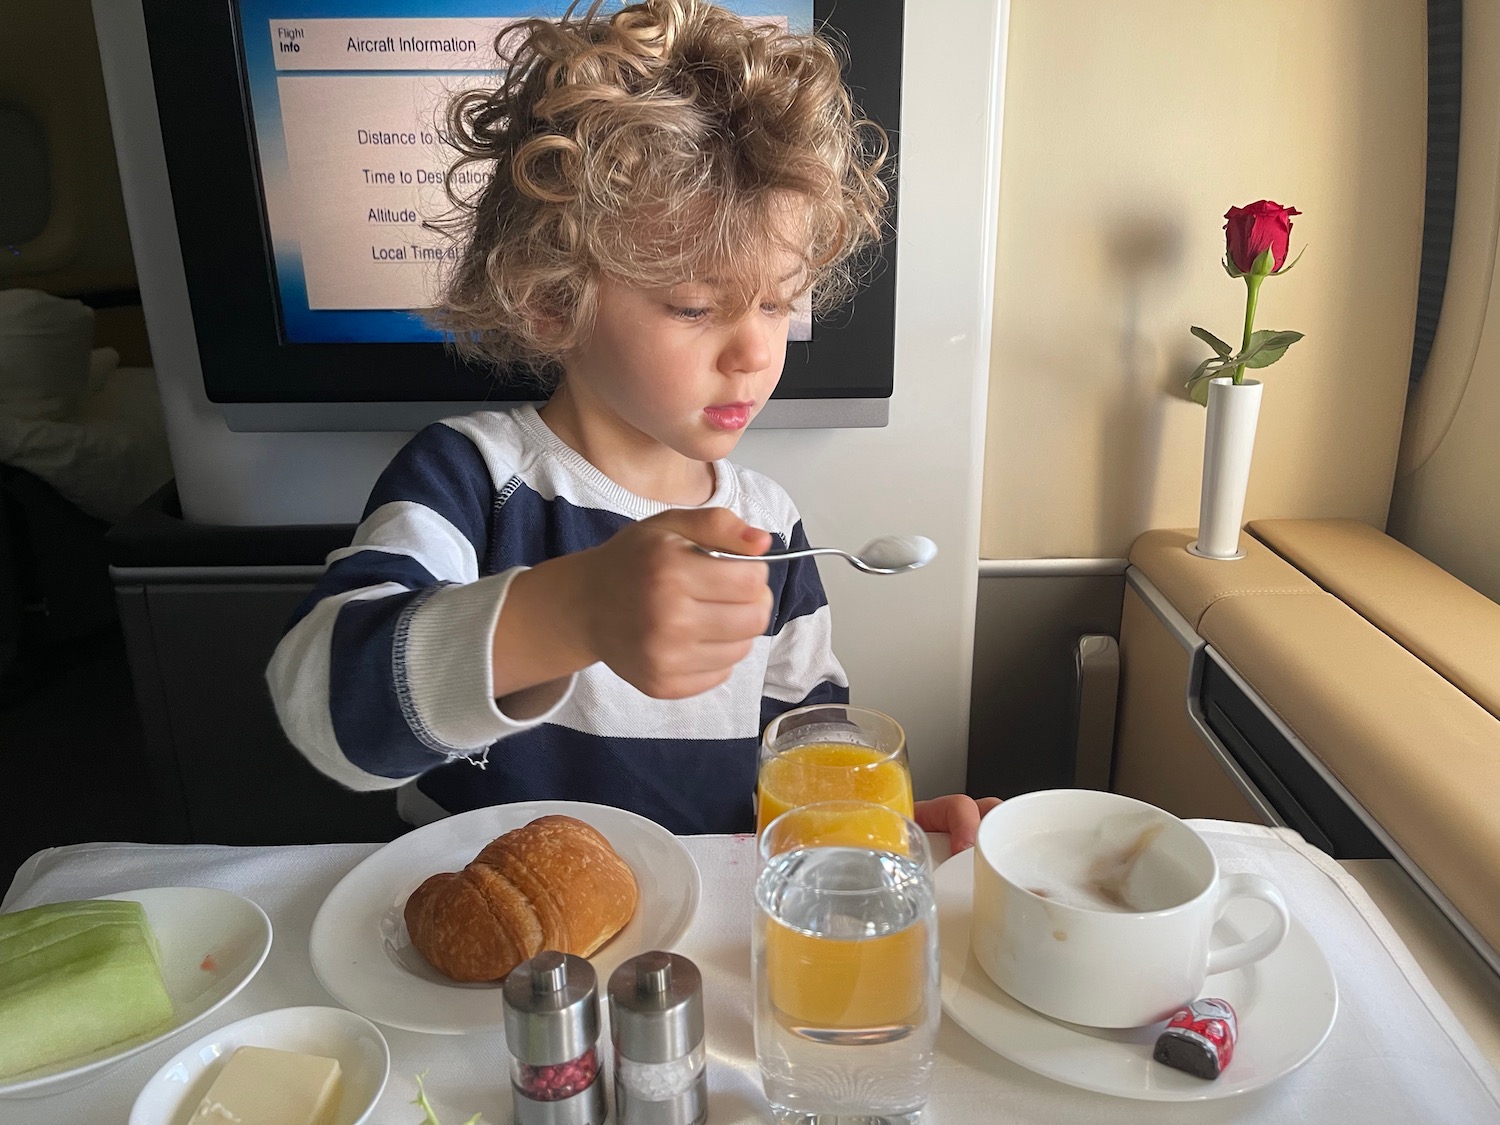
(889, 554)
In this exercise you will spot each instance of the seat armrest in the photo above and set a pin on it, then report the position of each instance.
(1446, 624)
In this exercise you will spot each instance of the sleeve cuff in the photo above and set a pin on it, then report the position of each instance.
(445, 666)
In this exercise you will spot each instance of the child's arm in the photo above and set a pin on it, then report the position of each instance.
(384, 671)
(664, 617)
(403, 658)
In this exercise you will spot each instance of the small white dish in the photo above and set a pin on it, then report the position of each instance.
(212, 942)
(1286, 1005)
(362, 955)
(364, 1057)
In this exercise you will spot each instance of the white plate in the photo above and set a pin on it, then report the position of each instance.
(362, 955)
(175, 1090)
(1286, 1005)
(212, 942)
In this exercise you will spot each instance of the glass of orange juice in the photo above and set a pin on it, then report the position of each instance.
(831, 752)
(845, 964)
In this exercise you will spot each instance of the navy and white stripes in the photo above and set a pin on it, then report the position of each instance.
(384, 674)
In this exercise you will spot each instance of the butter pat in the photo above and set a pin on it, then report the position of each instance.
(264, 1086)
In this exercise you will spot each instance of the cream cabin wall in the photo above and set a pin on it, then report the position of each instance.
(1129, 130)
(1447, 501)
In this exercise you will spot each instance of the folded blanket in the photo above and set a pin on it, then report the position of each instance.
(44, 353)
(108, 456)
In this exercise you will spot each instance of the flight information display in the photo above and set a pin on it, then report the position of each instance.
(347, 104)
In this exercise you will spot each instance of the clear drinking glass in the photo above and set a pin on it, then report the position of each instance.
(845, 965)
(831, 752)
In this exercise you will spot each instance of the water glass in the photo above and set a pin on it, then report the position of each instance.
(845, 965)
(832, 752)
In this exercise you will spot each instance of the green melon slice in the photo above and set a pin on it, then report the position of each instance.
(36, 929)
(76, 978)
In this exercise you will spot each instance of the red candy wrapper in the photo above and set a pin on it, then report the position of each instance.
(1200, 1038)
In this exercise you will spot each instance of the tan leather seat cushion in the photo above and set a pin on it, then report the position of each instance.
(1192, 584)
(1420, 755)
(1443, 622)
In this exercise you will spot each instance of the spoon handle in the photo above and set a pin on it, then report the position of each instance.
(773, 556)
(848, 556)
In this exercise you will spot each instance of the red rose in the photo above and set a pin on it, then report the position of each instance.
(1251, 231)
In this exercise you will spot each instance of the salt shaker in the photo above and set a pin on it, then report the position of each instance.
(656, 1022)
(552, 1031)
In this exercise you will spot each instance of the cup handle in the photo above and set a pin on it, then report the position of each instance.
(1245, 885)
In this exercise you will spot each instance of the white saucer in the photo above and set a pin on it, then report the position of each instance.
(362, 955)
(211, 943)
(1286, 1005)
(175, 1090)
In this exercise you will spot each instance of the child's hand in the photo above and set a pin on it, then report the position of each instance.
(668, 619)
(956, 814)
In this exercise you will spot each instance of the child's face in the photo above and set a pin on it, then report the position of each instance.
(667, 365)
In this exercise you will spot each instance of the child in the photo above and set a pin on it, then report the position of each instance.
(523, 614)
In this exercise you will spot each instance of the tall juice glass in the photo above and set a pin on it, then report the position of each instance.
(832, 752)
(845, 964)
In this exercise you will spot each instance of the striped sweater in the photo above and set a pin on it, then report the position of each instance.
(383, 676)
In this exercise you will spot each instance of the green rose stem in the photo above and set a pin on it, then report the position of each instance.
(1252, 295)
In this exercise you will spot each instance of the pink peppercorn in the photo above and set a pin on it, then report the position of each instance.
(559, 1080)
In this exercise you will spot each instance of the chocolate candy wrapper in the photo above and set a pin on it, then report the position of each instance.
(1199, 1039)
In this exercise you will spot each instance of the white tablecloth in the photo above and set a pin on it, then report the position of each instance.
(1395, 1054)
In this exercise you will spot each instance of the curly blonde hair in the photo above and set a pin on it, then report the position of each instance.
(669, 142)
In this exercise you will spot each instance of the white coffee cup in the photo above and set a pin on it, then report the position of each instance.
(1097, 909)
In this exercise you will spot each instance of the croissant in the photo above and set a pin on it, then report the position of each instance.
(552, 884)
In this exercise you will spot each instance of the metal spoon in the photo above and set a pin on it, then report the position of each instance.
(890, 554)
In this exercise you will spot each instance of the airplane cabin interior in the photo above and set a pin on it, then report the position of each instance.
(203, 371)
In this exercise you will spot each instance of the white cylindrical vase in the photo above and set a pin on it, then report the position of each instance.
(1228, 443)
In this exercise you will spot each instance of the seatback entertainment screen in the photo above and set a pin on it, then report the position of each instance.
(304, 152)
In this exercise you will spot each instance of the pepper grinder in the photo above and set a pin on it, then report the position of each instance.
(551, 1031)
(656, 1025)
